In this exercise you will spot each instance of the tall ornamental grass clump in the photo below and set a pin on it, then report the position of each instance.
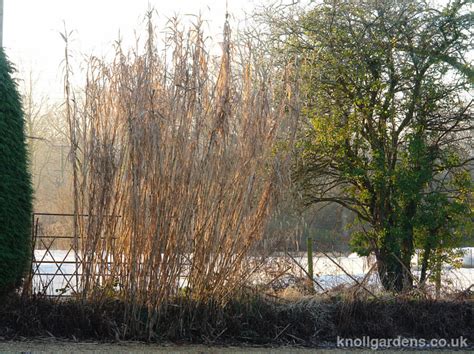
(15, 184)
(178, 172)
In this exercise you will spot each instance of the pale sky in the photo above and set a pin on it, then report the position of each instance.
(31, 28)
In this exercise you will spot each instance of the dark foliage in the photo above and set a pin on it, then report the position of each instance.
(15, 184)
(251, 320)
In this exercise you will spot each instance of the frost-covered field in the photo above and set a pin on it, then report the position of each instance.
(55, 274)
(329, 275)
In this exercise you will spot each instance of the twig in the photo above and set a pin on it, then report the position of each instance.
(366, 277)
(281, 332)
(350, 276)
(305, 271)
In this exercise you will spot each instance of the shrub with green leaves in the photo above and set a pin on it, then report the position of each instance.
(15, 184)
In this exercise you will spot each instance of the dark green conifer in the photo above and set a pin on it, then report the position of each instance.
(15, 184)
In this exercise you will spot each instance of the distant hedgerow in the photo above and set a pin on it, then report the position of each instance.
(15, 184)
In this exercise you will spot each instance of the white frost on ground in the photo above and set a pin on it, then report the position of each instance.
(58, 277)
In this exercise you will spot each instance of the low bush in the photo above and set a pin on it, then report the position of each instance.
(248, 320)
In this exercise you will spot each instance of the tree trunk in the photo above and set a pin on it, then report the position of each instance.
(407, 252)
(390, 272)
(424, 264)
(429, 247)
(407, 247)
